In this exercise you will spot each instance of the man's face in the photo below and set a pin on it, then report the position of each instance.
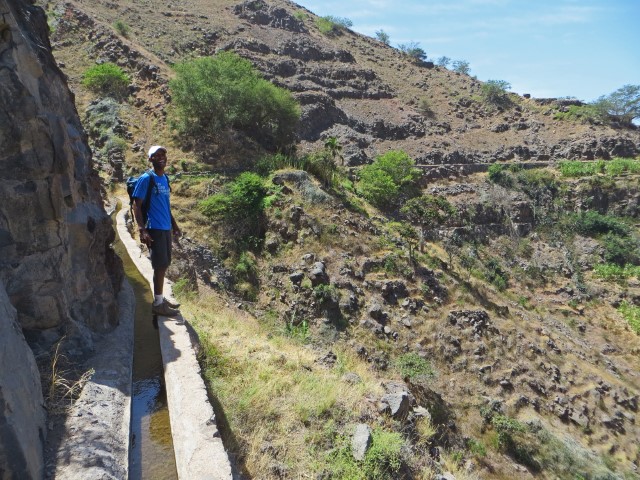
(159, 159)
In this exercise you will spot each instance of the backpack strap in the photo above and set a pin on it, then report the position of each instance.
(147, 198)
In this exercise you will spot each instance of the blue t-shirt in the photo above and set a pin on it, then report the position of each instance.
(159, 214)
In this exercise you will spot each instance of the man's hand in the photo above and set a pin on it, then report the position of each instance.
(177, 233)
(145, 237)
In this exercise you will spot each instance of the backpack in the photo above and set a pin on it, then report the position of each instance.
(131, 186)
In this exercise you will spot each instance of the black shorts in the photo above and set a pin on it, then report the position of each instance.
(160, 248)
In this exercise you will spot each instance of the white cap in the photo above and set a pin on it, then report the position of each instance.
(154, 149)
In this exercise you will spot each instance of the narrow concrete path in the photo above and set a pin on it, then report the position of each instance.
(199, 452)
(93, 443)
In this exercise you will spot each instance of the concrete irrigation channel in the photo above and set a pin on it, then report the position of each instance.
(197, 446)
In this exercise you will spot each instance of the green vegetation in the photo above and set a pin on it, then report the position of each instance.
(613, 167)
(494, 92)
(413, 50)
(213, 94)
(581, 113)
(330, 25)
(122, 28)
(631, 314)
(107, 79)
(460, 66)
(443, 61)
(615, 272)
(390, 178)
(383, 37)
(412, 365)
(623, 104)
(382, 461)
(239, 208)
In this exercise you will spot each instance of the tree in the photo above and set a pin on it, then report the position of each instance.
(429, 212)
(623, 104)
(383, 36)
(460, 66)
(443, 61)
(413, 50)
(212, 94)
(332, 145)
(389, 179)
(494, 92)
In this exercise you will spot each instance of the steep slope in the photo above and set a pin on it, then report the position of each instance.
(544, 343)
(368, 95)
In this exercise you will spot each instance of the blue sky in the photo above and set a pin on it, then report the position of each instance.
(548, 48)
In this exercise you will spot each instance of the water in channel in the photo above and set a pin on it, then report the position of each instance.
(151, 451)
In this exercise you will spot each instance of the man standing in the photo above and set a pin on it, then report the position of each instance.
(156, 231)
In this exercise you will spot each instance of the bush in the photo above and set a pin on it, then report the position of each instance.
(443, 61)
(107, 79)
(122, 28)
(390, 178)
(581, 113)
(383, 37)
(623, 104)
(631, 314)
(494, 92)
(413, 50)
(331, 25)
(412, 365)
(213, 94)
(460, 66)
(620, 250)
(576, 168)
(593, 224)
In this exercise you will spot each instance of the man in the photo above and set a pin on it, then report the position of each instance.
(156, 233)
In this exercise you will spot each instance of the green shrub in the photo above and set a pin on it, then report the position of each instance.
(620, 250)
(383, 37)
(383, 460)
(593, 224)
(413, 50)
(213, 94)
(389, 179)
(326, 293)
(615, 272)
(330, 25)
(122, 28)
(412, 365)
(239, 209)
(581, 113)
(631, 314)
(321, 165)
(460, 66)
(494, 92)
(496, 274)
(575, 168)
(618, 166)
(107, 79)
(499, 174)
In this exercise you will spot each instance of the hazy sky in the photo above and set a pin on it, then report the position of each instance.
(548, 48)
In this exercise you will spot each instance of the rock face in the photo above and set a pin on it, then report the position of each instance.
(57, 269)
(55, 256)
(21, 414)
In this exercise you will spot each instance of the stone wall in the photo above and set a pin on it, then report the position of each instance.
(55, 256)
(22, 419)
(59, 275)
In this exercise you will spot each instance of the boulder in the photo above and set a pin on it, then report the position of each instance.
(22, 416)
(361, 441)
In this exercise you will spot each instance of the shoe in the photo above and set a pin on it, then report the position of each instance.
(164, 310)
(171, 304)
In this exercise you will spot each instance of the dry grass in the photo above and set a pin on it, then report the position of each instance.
(280, 404)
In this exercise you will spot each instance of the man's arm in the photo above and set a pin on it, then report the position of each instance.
(174, 226)
(137, 212)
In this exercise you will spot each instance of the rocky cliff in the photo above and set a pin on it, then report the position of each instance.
(59, 271)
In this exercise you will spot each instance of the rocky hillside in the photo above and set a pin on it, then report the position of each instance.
(514, 349)
(371, 97)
